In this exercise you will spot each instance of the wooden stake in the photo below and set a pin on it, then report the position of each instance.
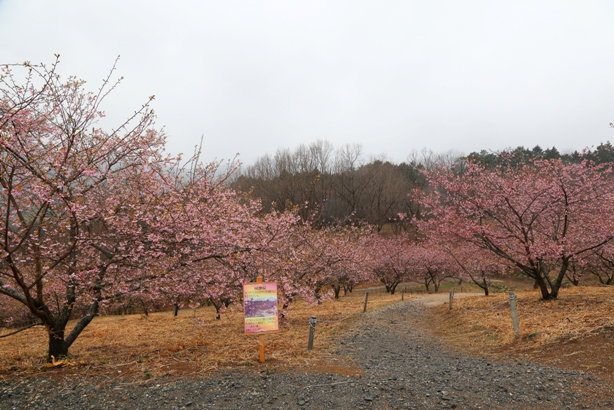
(514, 314)
(261, 345)
(312, 330)
(366, 300)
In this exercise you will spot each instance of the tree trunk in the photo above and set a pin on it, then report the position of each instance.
(543, 287)
(175, 309)
(217, 310)
(58, 348)
(485, 287)
(316, 293)
(283, 308)
(573, 280)
(556, 286)
(337, 289)
(145, 309)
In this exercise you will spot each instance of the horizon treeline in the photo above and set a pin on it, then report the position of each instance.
(603, 153)
(339, 186)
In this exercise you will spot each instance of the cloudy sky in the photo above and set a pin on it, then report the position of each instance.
(252, 76)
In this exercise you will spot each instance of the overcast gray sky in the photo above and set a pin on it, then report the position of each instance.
(252, 76)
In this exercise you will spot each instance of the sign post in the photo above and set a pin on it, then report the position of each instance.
(260, 306)
(261, 347)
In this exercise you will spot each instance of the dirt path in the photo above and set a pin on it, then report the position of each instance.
(404, 367)
(436, 299)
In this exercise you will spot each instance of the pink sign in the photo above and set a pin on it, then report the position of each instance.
(260, 306)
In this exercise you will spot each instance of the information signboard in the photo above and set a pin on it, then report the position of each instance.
(260, 307)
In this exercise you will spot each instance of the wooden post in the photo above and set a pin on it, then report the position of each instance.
(364, 309)
(403, 294)
(260, 337)
(514, 314)
(312, 330)
(261, 347)
(451, 297)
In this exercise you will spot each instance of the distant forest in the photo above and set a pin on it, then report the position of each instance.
(604, 153)
(337, 186)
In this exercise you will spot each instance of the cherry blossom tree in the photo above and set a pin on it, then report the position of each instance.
(537, 217)
(601, 264)
(476, 264)
(75, 199)
(393, 260)
(214, 240)
(338, 257)
(433, 266)
(246, 245)
(91, 217)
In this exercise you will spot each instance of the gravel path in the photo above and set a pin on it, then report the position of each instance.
(404, 368)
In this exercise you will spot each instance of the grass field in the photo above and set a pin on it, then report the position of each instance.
(194, 342)
(575, 331)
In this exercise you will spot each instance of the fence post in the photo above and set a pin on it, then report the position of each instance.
(403, 294)
(514, 314)
(364, 309)
(451, 297)
(312, 330)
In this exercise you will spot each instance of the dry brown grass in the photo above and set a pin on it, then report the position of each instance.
(575, 331)
(195, 343)
(578, 312)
